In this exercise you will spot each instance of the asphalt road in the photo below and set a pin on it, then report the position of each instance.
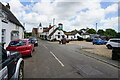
(58, 61)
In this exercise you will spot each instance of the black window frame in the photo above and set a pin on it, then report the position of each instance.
(116, 41)
(3, 55)
(58, 36)
(58, 32)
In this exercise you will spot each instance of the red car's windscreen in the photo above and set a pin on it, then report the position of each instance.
(17, 43)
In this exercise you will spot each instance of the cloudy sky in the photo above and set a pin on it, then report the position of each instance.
(75, 14)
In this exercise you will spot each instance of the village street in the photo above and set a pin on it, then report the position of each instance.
(58, 61)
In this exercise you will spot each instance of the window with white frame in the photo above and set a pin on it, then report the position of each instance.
(17, 27)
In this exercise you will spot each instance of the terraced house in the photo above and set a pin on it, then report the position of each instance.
(10, 27)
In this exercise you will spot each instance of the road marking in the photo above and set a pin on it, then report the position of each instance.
(45, 46)
(57, 59)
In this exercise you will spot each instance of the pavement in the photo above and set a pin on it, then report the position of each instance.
(66, 61)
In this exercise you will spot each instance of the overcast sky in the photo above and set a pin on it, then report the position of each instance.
(75, 14)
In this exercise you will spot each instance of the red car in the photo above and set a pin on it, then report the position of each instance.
(24, 46)
(67, 40)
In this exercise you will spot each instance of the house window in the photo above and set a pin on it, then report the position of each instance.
(4, 19)
(67, 36)
(74, 36)
(58, 36)
(17, 27)
(58, 32)
(14, 35)
(3, 35)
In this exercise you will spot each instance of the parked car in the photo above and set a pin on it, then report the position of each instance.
(24, 46)
(99, 41)
(35, 41)
(11, 65)
(89, 40)
(114, 42)
(67, 40)
(116, 53)
(79, 38)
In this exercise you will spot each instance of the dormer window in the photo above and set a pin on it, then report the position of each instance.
(58, 32)
(1, 14)
(4, 17)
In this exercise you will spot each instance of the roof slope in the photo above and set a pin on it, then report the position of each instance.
(53, 32)
(10, 15)
(36, 30)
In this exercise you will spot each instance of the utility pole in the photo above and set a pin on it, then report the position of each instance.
(53, 21)
(53, 26)
(96, 27)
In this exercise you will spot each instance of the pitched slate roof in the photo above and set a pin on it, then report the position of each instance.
(10, 15)
(36, 30)
(45, 29)
(70, 33)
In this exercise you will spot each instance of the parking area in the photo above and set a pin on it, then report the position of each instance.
(95, 49)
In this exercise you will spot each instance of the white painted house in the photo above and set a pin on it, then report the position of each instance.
(10, 27)
(55, 33)
(85, 35)
(72, 36)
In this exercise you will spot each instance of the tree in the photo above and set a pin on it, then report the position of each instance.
(91, 31)
(80, 31)
(118, 35)
(27, 34)
(110, 33)
(101, 32)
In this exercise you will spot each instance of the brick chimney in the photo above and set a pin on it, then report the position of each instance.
(8, 6)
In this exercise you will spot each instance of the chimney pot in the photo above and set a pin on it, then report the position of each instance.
(8, 6)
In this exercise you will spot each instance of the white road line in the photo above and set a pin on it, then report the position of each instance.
(57, 59)
(45, 46)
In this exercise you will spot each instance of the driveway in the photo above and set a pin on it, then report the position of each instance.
(95, 49)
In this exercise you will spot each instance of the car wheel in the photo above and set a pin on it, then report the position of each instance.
(33, 49)
(30, 54)
(36, 44)
(21, 73)
(109, 46)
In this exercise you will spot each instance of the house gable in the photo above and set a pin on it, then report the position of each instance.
(10, 15)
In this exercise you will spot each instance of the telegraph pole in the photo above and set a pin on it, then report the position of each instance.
(53, 26)
(96, 27)
(53, 21)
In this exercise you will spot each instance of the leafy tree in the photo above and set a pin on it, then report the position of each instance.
(110, 33)
(118, 35)
(91, 31)
(100, 32)
(27, 34)
(74, 31)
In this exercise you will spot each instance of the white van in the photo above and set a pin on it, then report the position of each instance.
(114, 42)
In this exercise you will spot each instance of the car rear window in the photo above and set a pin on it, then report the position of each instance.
(32, 39)
(17, 43)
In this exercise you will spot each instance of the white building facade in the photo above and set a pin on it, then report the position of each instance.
(53, 32)
(10, 27)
